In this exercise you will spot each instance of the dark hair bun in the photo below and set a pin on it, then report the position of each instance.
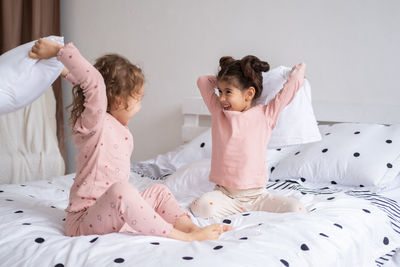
(252, 62)
(225, 61)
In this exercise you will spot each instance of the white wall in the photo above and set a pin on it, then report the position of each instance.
(350, 47)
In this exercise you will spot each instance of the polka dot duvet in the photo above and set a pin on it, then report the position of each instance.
(344, 226)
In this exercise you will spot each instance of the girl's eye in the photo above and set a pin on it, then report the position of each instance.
(228, 92)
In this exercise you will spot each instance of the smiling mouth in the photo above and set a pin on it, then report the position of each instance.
(226, 107)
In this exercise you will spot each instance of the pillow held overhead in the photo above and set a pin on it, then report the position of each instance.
(296, 123)
(23, 79)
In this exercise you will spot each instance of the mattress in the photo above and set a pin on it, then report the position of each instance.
(343, 227)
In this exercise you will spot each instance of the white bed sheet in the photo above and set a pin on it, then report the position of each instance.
(343, 228)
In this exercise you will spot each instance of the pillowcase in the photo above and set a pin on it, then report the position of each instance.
(191, 181)
(165, 164)
(351, 154)
(23, 79)
(296, 123)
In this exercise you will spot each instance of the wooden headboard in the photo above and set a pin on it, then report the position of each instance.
(195, 114)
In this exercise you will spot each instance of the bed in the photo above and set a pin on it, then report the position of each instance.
(349, 222)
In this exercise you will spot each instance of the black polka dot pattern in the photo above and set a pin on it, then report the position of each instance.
(386, 241)
(39, 240)
(285, 263)
(338, 225)
(304, 247)
(348, 149)
(202, 144)
(119, 260)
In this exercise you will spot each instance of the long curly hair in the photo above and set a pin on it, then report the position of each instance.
(121, 78)
(243, 73)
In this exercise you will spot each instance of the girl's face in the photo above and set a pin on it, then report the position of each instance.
(122, 113)
(234, 99)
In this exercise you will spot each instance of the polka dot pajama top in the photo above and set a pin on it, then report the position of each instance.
(101, 198)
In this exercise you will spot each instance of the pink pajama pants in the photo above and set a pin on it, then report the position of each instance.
(122, 208)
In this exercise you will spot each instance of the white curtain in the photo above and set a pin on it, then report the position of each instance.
(28, 142)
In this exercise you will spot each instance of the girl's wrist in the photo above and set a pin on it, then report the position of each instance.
(64, 73)
(58, 48)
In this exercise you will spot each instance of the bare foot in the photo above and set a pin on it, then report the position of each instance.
(211, 232)
(226, 228)
(185, 224)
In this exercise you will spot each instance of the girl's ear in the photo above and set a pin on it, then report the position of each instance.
(250, 93)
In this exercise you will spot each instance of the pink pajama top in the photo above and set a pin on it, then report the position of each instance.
(104, 144)
(239, 139)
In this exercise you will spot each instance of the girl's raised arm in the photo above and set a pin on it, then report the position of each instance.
(92, 83)
(286, 94)
(207, 86)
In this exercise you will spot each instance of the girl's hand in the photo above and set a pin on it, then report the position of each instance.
(44, 49)
(64, 72)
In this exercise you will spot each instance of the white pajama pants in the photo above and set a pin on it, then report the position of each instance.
(225, 201)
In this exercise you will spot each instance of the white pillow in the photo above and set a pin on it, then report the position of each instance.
(165, 164)
(352, 154)
(191, 181)
(23, 79)
(296, 123)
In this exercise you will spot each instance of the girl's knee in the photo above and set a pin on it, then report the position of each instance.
(294, 205)
(204, 207)
(119, 189)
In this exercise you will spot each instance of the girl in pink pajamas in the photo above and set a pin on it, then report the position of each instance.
(240, 134)
(106, 96)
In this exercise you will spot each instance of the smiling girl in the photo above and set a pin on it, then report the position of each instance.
(240, 134)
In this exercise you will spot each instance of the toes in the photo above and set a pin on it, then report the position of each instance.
(227, 228)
